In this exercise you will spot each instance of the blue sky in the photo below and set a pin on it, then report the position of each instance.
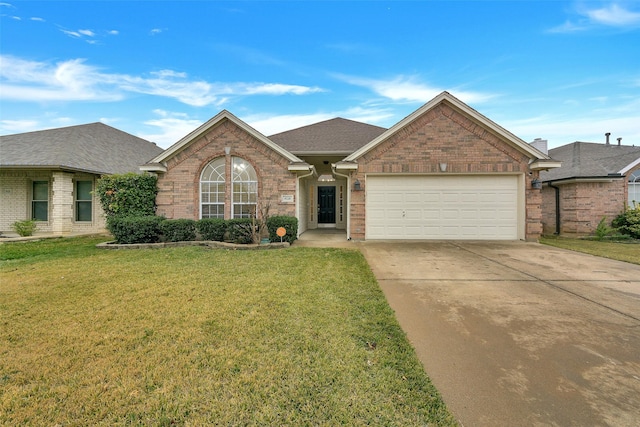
(558, 70)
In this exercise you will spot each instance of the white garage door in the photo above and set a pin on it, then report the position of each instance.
(479, 207)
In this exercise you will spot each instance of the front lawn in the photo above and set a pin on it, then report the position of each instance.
(195, 336)
(628, 251)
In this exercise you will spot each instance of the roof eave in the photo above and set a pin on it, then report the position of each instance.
(523, 146)
(154, 167)
(345, 166)
(218, 118)
(540, 165)
(575, 179)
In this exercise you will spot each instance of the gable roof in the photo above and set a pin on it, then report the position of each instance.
(592, 160)
(156, 164)
(335, 136)
(541, 160)
(95, 148)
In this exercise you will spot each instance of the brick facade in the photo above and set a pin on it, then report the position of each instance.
(443, 135)
(179, 186)
(582, 205)
(15, 202)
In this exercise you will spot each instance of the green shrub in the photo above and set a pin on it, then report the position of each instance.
(603, 230)
(178, 230)
(290, 223)
(130, 195)
(212, 228)
(628, 222)
(24, 228)
(240, 230)
(135, 229)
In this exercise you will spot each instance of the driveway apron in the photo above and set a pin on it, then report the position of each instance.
(519, 334)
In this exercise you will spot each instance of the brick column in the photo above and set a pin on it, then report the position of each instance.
(61, 220)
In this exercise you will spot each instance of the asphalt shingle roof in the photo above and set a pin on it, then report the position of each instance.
(94, 147)
(335, 136)
(590, 160)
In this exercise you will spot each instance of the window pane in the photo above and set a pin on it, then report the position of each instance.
(244, 189)
(83, 211)
(83, 190)
(40, 211)
(40, 201)
(40, 190)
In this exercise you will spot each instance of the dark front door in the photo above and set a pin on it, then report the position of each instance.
(326, 205)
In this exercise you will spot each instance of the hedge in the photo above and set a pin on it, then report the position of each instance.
(290, 223)
(178, 230)
(212, 229)
(135, 229)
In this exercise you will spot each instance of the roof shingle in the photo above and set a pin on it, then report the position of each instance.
(590, 160)
(94, 147)
(334, 136)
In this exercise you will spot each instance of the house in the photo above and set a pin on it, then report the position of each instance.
(50, 175)
(596, 180)
(443, 172)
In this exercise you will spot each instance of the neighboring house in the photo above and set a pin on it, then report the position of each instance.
(595, 181)
(444, 172)
(50, 175)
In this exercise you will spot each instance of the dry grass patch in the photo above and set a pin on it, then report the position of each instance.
(193, 336)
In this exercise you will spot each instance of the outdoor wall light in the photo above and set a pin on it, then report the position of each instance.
(357, 186)
(536, 184)
(443, 167)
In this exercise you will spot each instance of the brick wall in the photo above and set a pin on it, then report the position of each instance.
(442, 135)
(582, 206)
(15, 202)
(179, 187)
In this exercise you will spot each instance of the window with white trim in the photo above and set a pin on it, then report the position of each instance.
(244, 189)
(212, 189)
(634, 189)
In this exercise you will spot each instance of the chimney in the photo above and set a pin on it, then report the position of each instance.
(619, 141)
(540, 144)
(608, 134)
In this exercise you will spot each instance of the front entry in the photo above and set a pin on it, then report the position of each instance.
(326, 206)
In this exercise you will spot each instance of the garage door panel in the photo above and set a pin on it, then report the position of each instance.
(434, 207)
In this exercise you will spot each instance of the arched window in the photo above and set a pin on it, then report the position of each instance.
(634, 189)
(245, 189)
(212, 189)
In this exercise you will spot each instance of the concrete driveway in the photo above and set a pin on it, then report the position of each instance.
(519, 334)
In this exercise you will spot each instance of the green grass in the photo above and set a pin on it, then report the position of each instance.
(628, 251)
(194, 336)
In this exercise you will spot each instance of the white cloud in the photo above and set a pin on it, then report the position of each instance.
(171, 127)
(155, 31)
(18, 126)
(24, 80)
(35, 18)
(71, 80)
(613, 15)
(113, 32)
(410, 89)
(275, 89)
(87, 33)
